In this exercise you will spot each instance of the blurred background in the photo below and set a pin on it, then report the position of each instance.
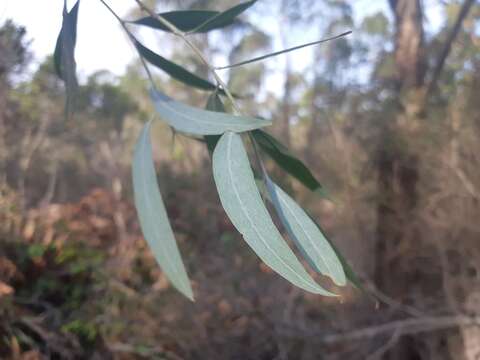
(386, 118)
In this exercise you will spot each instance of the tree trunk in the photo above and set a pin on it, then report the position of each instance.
(398, 173)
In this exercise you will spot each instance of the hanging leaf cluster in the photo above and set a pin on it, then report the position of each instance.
(243, 192)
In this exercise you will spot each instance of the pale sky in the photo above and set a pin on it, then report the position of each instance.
(101, 42)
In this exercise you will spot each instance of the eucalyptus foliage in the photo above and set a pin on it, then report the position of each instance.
(241, 189)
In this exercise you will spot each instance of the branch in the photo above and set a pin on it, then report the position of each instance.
(218, 79)
(131, 38)
(448, 46)
(403, 327)
(192, 46)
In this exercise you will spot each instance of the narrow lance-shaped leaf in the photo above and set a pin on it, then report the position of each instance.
(196, 121)
(64, 56)
(71, 24)
(306, 235)
(175, 71)
(224, 18)
(286, 160)
(244, 206)
(153, 216)
(214, 103)
(349, 272)
(184, 20)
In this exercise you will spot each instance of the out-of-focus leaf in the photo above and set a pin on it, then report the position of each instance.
(175, 71)
(306, 235)
(224, 18)
(276, 53)
(64, 55)
(244, 206)
(286, 160)
(184, 20)
(71, 22)
(196, 121)
(214, 103)
(153, 216)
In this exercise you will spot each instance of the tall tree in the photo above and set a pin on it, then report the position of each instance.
(401, 241)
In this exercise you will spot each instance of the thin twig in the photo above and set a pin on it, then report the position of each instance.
(132, 38)
(408, 326)
(199, 54)
(282, 51)
(395, 304)
(192, 46)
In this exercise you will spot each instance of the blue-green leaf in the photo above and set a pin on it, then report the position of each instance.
(196, 121)
(244, 206)
(224, 18)
(153, 215)
(306, 235)
(184, 20)
(175, 71)
(64, 55)
(349, 272)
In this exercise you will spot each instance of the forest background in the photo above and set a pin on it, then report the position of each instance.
(387, 120)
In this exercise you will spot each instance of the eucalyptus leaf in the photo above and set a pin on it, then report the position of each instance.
(184, 20)
(196, 121)
(349, 272)
(64, 55)
(175, 71)
(224, 18)
(244, 206)
(286, 160)
(214, 103)
(153, 215)
(306, 235)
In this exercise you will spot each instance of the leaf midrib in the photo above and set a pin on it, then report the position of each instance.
(147, 200)
(230, 124)
(242, 206)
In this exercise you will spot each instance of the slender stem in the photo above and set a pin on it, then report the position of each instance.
(182, 35)
(192, 46)
(200, 55)
(132, 38)
(161, 19)
(283, 51)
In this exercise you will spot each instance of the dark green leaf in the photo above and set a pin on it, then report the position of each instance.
(64, 56)
(175, 71)
(57, 56)
(184, 20)
(196, 121)
(224, 18)
(244, 206)
(214, 103)
(306, 235)
(286, 160)
(153, 216)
